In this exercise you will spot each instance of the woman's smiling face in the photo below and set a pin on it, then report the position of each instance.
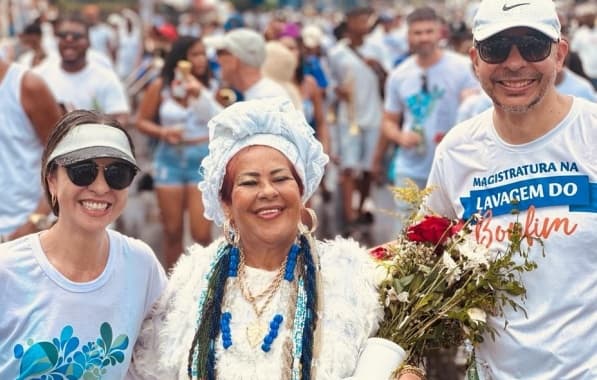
(265, 199)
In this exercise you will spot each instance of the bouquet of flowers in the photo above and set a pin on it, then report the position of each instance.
(438, 284)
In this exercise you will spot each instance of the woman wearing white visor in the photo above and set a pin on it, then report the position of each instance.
(73, 297)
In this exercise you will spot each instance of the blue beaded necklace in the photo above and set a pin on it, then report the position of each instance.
(277, 319)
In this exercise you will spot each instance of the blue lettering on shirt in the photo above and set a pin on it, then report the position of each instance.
(574, 191)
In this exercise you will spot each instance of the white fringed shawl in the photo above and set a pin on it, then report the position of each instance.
(351, 312)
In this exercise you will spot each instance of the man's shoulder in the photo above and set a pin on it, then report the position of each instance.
(405, 68)
(586, 108)
(265, 88)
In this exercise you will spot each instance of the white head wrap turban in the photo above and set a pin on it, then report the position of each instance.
(273, 122)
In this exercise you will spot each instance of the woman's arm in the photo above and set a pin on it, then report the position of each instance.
(148, 110)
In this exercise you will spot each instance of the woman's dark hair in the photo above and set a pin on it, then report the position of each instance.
(179, 50)
(63, 126)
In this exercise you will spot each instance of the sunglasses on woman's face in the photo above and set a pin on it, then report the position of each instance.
(118, 174)
(533, 48)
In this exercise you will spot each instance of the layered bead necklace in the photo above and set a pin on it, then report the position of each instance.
(257, 331)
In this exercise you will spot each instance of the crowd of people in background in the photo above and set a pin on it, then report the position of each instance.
(380, 87)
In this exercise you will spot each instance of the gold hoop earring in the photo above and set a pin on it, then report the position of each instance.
(304, 229)
(231, 236)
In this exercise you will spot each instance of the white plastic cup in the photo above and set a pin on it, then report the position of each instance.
(379, 359)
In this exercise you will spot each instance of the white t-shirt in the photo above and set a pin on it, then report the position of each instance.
(433, 111)
(51, 325)
(92, 88)
(347, 67)
(20, 155)
(555, 180)
(584, 42)
(101, 37)
(265, 88)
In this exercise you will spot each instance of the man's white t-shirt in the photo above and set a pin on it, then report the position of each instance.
(428, 99)
(348, 68)
(92, 88)
(50, 325)
(265, 88)
(555, 180)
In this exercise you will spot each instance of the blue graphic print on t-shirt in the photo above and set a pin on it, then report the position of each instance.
(61, 358)
(421, 105)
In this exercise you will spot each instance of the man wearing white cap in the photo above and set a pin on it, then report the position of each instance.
(535, 146)
(241, 53)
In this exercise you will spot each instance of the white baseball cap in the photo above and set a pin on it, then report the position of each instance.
(495, 16)
(312, 36)
(244, 43)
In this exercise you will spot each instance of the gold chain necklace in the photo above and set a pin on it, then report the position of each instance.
(267, 293)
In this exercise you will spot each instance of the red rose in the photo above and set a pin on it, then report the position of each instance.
(380, 253)
(456, 228)
(432, 229)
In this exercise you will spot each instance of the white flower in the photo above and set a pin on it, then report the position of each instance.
(391, 296)
(403, 297)
(381, 274)
(477, 315)
(453, 269)
(474, 253)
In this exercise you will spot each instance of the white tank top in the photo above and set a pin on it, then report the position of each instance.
(20, 155)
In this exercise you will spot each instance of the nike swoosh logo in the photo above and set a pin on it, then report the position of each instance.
(506, 8)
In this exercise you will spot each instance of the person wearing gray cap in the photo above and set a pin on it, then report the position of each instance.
(266, 300)
(241, 53)
(74, 296)
(534, 151)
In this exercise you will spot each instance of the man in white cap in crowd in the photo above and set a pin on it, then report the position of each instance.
(241, 53)
(535, 146)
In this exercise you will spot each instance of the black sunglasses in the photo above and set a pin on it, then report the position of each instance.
(74, 35)
(533, 48)
(118, 174)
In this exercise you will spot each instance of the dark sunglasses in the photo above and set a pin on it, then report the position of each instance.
(532, 48)
(118, 175)
(74, 35)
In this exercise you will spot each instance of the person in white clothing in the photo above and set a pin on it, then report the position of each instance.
(422, 98)
(175, 110)
(533, 151)
(28, 112)
(246, 306)
(584, 39)
(102, 37)
(241, 53)
(74, 296)
(78, 82)
(357, 70)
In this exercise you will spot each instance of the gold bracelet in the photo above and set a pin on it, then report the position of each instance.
(411, 369)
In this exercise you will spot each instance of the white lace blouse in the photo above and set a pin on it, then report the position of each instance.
(350, 314)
